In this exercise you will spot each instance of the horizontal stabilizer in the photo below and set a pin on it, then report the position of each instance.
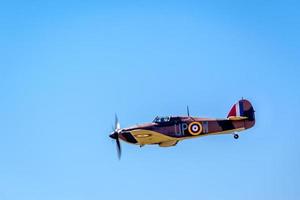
(237, 118)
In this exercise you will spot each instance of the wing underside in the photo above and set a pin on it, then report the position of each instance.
(151, 137)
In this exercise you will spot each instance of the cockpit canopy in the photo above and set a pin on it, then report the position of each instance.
(162, 119)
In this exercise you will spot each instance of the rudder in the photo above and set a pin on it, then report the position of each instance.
(242, 110)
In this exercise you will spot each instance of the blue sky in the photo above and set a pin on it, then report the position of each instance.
(67, 67)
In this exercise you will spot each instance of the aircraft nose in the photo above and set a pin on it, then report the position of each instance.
(113, 135)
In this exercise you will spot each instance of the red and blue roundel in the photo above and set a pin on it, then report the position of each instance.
(195, 128)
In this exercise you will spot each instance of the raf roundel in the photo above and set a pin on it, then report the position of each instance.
(195, 128)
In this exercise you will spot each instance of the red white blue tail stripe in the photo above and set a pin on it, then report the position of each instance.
(237, 110)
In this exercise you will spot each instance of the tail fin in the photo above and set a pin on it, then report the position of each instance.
(242, 110)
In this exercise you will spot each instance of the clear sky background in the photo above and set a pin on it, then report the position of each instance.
(66, 67)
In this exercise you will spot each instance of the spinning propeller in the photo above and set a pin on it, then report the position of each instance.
(115, 135)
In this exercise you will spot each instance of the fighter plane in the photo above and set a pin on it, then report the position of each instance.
(169, 130)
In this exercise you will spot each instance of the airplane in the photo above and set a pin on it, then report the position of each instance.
(168, 131)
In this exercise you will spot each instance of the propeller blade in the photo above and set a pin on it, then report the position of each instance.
(117, 124)
(115, 135)
(119, 150)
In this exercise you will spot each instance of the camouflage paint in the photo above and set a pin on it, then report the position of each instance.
(240, 117)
